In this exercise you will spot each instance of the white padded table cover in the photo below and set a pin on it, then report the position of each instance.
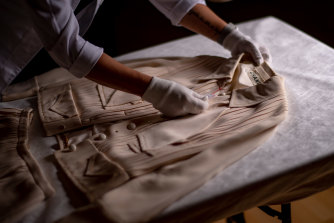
(295, 162)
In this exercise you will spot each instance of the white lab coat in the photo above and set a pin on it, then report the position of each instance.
(28, 26)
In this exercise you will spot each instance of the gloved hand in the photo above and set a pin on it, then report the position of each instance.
(238, 43)
(173, 99)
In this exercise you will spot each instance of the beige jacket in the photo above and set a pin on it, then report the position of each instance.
(132, 169)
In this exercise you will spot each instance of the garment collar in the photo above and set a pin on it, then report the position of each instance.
(269, 85)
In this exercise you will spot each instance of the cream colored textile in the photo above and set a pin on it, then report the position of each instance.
(22, 183)
(135, 168)
(30, 87)
(81, 102)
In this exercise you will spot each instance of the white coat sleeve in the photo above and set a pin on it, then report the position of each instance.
(175, 10)
(58, 29)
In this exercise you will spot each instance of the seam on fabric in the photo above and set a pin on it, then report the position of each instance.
(32, 164)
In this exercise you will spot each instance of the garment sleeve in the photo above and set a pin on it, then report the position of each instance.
(175, 10)
(58, 29)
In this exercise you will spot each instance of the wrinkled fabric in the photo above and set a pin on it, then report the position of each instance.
(81, 102)
(30, 87)
(22, 183)
(135, 168)
(28, 26)
(58, 29)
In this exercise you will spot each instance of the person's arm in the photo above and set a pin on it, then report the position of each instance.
(169, 97)
(202, 20)
(58, 29)
(111, 73)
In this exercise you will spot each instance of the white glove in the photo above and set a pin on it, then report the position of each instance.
(238, 43)
(173, 99)
(265, 54)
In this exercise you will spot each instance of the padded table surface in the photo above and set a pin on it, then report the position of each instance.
(295, 162)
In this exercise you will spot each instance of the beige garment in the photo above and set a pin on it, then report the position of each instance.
(22, 183)
(30, 87)
(133, 169)
(81, 102)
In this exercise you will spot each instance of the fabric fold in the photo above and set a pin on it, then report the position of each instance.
(175, 130)
(23, 184)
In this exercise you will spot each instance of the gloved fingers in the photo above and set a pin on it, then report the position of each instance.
(173, 99)
(199, 96)
(198, 105)
(265, 54)
(255, 52)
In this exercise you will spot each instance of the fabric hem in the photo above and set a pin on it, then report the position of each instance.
(181, 9)
(87, 59)
(22, 149)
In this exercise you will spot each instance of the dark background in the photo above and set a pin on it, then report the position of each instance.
(127, 25)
